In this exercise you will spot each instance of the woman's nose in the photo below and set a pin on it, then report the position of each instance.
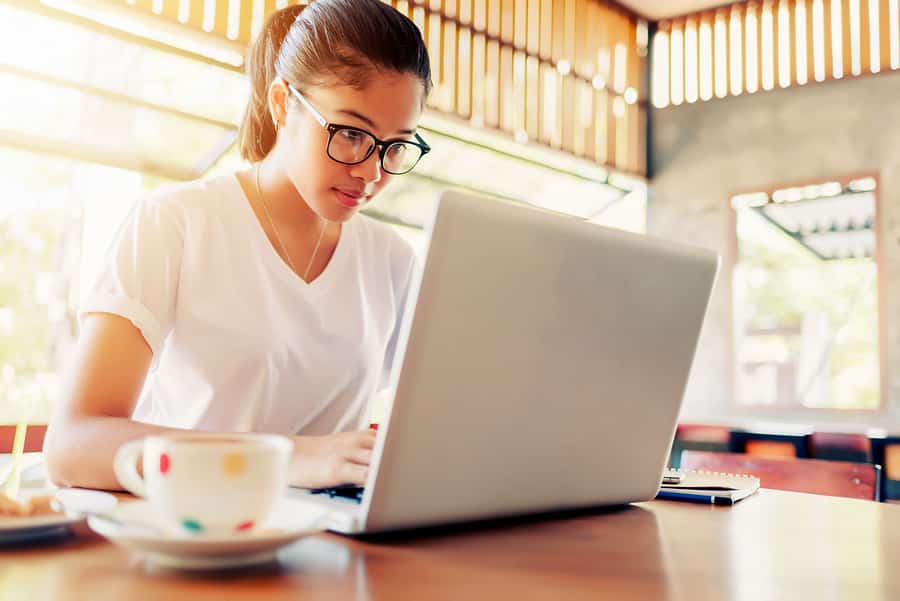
(370, 169)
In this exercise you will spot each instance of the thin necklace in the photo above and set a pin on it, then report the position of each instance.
(287, 255)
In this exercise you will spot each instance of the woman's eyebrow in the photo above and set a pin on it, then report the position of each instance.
(371, 123)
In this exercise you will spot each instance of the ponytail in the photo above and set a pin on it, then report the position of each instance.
(257, 133)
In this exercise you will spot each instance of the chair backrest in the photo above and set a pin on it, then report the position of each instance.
(34, 438)
(840, 446)
(834, 478)
(770, 444)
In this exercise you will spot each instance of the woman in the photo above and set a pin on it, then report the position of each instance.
(259, 300)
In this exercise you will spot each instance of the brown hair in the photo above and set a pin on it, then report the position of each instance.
(346, 41)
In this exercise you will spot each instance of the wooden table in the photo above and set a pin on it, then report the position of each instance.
(775, 545)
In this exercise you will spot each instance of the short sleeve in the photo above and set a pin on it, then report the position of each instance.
(139, 278)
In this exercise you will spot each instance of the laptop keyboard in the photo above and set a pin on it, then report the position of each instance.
(354, 493)
(348, 492)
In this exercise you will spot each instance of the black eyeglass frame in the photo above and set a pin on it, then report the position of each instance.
(381, 145)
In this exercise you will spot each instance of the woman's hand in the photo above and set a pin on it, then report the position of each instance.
(324, 461)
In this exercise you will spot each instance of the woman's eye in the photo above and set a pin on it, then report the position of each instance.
(397, 150)
(352, 135)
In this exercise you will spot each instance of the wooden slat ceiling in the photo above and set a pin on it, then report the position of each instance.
(768, 44)
(568, 74)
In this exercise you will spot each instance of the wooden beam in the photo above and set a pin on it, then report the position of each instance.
(508, 21)
(792, 16)
(758, 11)
(603, 123)
(829, 46)
(142, 5)
(846, 40)
(170, 9)
(779, 58)
(810, 43)
(220, 19)
(464, 72)
(691, 60)
(533, 27)
(245, 22)
(721, 51)
(865, 38)
(479, 68)
(736, 20)
(884, 34)
(450, 45)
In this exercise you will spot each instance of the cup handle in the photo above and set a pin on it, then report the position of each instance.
(125, 467)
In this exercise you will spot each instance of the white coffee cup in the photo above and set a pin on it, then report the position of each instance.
(207, 484)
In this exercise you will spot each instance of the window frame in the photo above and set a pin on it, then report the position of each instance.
(731, 262)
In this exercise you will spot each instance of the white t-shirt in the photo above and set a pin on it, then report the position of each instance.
(240, 342)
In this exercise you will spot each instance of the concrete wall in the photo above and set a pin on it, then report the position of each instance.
(705, 152)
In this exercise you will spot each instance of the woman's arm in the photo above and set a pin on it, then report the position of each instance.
(92, 416)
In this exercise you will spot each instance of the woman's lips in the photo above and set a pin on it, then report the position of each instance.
(349, 199)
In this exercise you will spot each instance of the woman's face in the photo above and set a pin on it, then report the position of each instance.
(389, 108)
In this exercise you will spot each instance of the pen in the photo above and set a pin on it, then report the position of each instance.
(706, 499)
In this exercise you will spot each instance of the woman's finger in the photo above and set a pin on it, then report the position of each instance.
(367, 439)
(353, 473)
(360, 456)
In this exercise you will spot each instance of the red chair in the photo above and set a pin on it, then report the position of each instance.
(840, 447)
(770, 444)
(833, 478)
(34, 438)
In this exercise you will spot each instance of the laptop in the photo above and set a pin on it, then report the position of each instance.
(542, 369)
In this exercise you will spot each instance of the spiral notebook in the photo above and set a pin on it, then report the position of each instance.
(708, 487)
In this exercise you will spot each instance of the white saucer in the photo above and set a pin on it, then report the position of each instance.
(21, 529)
(292, 520)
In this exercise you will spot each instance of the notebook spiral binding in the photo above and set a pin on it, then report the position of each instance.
(670, 470)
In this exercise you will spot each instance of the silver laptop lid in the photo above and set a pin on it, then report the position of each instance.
(544, 367)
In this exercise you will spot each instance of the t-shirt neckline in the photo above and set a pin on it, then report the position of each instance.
(270, 254)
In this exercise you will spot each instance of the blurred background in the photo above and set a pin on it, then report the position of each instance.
(768, 131)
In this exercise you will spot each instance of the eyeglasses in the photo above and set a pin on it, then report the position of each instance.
(352, 145)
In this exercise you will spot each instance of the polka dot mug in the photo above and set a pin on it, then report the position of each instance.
(207, 484)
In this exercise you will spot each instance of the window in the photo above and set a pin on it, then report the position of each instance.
(806, 298)
(57, 218)
(96, 97)
(84, 122)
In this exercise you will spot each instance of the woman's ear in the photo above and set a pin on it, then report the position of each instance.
(277, 98)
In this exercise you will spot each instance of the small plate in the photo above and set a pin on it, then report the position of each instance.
(291, 520)
(15, 529)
